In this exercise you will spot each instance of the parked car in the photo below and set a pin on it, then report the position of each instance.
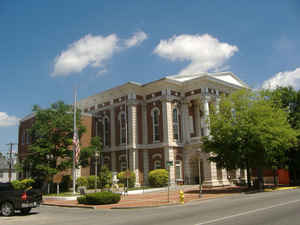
(23, 200)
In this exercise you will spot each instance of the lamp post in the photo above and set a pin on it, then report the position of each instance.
(200, 179)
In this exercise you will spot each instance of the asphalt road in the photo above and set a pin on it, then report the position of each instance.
(271, 208)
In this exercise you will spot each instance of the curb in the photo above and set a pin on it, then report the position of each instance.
(70, 206)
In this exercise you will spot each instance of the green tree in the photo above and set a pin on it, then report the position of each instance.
(249, 131)
(52, 133)
(289, 100)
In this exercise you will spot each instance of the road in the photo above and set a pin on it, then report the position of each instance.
(269, 208)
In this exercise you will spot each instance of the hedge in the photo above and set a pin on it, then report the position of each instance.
(158, 178)
(23, 184)
(131, 178)
(82, 181)
(99, 198)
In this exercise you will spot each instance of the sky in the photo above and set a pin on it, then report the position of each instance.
(48, 47)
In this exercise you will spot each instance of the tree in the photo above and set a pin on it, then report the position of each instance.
(289, 100)
(91, 152)
(249, 131)
(52, 133)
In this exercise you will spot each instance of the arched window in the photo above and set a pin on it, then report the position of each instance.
(106, 131)
(122, 121)
(157, 164)
(175, 124)
(178, 169)
(155, 124)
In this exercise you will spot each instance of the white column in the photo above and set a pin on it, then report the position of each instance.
(185, 122)
(134, 164)
(206, 116)
(217, 105)
(210, 173)
(197, 118)
(225, 180)
(132, 125)
(113, 162)
(187, 168)
(112, 128)
(169, 156)
(146, 166)
(145, 123)
(167, 121)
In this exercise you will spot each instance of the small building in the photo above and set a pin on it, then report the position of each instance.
(5, 171)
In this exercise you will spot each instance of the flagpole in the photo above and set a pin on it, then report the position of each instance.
(74, 147)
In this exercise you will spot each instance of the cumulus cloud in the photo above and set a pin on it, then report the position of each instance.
(6, 120)
(89, 50)
(287, 78)
(92, 51)
(203, 51)
(136, 39)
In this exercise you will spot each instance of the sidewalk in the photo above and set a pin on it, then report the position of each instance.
(153, 199)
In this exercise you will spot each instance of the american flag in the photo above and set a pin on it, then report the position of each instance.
(77, 146)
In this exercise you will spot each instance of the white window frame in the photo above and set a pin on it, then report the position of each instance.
(175, 124)
(155, 125)
(122, 129)
(178, 163)
(157, 164)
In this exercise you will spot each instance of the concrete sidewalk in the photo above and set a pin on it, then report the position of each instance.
(154, 199)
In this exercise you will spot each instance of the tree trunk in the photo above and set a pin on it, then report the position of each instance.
(260, 179)
(248, 175)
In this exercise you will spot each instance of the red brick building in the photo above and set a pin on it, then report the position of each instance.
(159, 122)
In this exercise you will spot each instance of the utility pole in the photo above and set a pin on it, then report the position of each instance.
(10, 160)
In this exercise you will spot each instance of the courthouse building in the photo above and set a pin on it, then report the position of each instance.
(166, 120)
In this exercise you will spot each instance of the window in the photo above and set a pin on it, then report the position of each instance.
(23, 137)
(123, 164)
(27, 137)
(155, 124)
(157, 164)
(175, 124)
(122, 120)
(178, 169)
(106, 131)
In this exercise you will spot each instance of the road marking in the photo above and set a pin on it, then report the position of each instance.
(248, 212)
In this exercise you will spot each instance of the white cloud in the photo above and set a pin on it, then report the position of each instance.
(287, 78)
(136, 39)
(89, 50)
(6, 120)
(203, 51)
(92, 51)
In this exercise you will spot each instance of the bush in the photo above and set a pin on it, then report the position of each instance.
(23, 184)
(82, 181)
(158, 178)
(99, 198)
(91, 182)
(66, 183)
(105, 177)
(131, 178)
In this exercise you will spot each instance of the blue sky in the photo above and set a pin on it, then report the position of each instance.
(47, 47)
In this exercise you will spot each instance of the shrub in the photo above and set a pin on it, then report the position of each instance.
(91, 182)
(105, 177)
(131, 178)
(82, 181)
(23, 184)
(158, 178)
(66, 183)
(99, 198)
